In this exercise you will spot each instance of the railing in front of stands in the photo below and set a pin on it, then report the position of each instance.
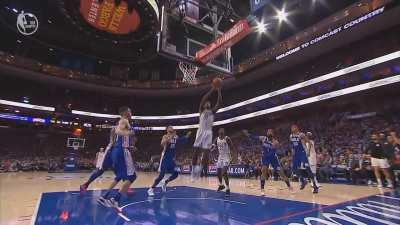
(51, 70)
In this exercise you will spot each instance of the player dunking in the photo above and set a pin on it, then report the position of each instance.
(169, 143)
(300, 161)
(223, 144)
(121, 156)
(270, 145)
(203, 141)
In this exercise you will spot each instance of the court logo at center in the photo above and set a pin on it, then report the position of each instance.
(27, 23)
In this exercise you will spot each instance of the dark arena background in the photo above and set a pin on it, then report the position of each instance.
(307, 93)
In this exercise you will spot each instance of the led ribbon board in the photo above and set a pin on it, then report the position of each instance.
(332, 32)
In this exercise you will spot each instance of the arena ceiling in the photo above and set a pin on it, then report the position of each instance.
(63, 27)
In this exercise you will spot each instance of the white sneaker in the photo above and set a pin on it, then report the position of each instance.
(380, 186)
(163, 186)
(112, 203)
(150, 192)
(104, 202)
(262, 192)
(390, 186)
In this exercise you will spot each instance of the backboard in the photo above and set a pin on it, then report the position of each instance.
(75, 143)
(184, 34)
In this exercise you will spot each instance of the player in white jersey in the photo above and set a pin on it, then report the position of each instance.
(312, 156)
(203, 142)
(224, 145)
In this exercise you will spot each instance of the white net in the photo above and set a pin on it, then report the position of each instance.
(189, 72)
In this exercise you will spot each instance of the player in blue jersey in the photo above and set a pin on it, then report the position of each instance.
(269, 145)
(169, 143)
(104, 162)
(121, 156)
(301, 164)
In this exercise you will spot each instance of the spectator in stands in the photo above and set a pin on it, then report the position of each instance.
(354, 172)
(326, 171)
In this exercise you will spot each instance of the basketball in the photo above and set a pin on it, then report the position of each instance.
(217, 83)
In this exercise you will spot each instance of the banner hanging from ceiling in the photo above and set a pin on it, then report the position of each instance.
(109, 17)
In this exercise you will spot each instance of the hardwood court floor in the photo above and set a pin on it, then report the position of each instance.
(19, 192)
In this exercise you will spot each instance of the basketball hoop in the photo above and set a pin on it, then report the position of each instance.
(189, 72)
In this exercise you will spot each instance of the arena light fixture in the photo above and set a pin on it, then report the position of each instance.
(27, 106)
(315, 99)
(338, 73)
(91, 114)
(318, 98)
(261, 27)
(281, 15)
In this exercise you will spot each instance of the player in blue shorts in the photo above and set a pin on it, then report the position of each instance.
(121, 156)
(104, 162)
(169, 143)
(270, 145)
(301, 165)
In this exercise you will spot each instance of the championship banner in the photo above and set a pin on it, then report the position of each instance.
(240, 30)
(109, 17)
(258, 4)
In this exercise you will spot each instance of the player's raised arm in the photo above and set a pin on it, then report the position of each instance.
(204, 99)
(219, 101)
